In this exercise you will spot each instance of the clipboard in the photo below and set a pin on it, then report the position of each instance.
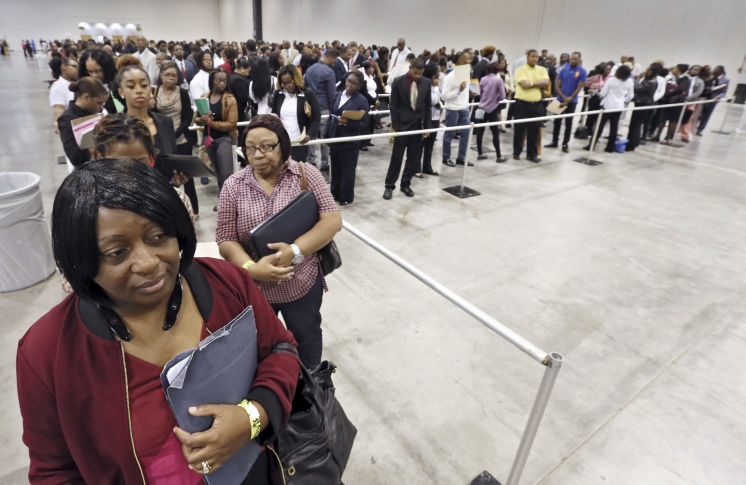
(189, 165)
(83, 129)
(555, 108)
(219, 370)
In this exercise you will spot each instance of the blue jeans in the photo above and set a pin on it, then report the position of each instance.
(456, 118)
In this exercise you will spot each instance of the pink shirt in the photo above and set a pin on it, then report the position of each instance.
(244, 205)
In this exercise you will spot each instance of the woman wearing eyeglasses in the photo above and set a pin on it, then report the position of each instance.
(290, 278)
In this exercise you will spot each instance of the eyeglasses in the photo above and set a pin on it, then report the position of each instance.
(262, 148)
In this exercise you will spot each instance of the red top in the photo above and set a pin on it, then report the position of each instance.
(244, 205)
(226, 66)
(71, 384)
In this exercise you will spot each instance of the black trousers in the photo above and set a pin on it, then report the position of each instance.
(189, 189)
(613, 119)
(488, 118)
(594, 103)
(568, 126)
(530, 130)
(413, 146)
(299, 153)
(303, 318)
(740, 94)
(637, 127)
(427, 150)
(343, 164)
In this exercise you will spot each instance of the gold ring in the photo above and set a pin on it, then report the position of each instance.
(205, 467)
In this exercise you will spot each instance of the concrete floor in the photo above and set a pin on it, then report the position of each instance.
(632, 269)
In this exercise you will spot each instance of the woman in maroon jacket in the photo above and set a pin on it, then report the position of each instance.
(88, 371)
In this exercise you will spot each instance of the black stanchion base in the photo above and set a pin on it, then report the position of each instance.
(485, 478)
(461, 191)
(588, 161)
(721, 132)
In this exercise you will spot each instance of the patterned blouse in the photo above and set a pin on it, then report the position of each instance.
(244, 205)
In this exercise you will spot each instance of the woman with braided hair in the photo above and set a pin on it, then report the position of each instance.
(122, 135)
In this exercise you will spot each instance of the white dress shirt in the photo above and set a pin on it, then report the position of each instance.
(452, 96)
(148, 62)
(59, 93)
(199, 84)
(616, 93)
(289, 115)
(399, 56)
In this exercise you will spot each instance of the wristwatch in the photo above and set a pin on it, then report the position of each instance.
(297, 255)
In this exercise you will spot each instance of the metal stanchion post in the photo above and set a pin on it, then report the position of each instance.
(725, 118)
(461, 191)
(553, 364)
(587, 159)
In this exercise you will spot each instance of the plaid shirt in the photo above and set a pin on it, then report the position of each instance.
(244, 205)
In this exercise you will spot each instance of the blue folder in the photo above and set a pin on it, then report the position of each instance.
(219, 370)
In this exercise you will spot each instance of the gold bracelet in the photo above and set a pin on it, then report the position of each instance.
(248, 263)
(253, 412)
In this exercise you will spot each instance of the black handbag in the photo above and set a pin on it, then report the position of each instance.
(316, 443)
(582, 132)
(329, 254)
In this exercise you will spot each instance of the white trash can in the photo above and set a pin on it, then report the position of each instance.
(25, 244)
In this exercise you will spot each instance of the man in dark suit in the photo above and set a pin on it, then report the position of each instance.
(340, 66)
(356, 57)
(191, 62)
(409, 105)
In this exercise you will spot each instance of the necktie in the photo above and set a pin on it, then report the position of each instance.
(183, 71)
(413, 95)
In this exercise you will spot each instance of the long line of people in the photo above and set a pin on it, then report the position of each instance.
(249, 74)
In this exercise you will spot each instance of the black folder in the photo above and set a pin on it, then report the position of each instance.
(294, 220)
(187, 164)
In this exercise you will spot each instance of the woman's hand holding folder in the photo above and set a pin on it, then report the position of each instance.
(230, 430)
(274, 267)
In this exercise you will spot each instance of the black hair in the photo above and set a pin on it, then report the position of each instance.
(194, 50)
(169, 65)
(410, 56)
(121, 128)
(251, 45)
(126, 69)
(200, 59)
(623, 72)
(211, 79)
(331, 53)
(260, 79)
(431, 70)
(112, 183)
(88, 85)
(103, 59)
(55, 64)
(359, 76)
(417, 63)
(273, 124)
(242, 63)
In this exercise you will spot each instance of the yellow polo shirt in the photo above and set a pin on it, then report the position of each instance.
(530, 74)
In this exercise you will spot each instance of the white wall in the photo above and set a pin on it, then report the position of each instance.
(170, 20)
(712, 32)
(235, 19)
(691, 31)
